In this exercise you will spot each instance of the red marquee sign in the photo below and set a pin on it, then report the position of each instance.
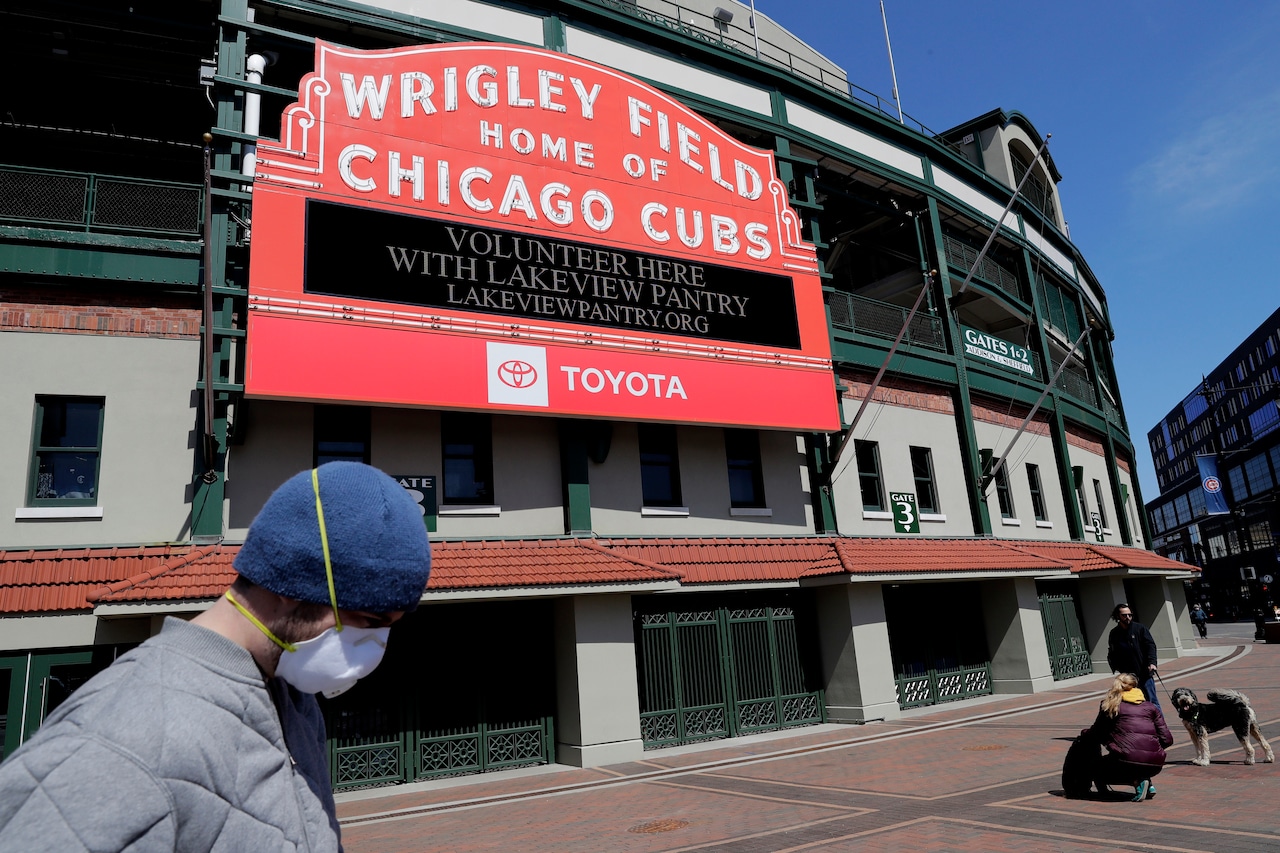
(488, 227)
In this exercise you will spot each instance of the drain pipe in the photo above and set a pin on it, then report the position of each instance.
(254, 66)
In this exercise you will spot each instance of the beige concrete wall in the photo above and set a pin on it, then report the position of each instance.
(149, 416)
(1188, 636)
(597, 698)
(1095, 468)
(277, 445)
(526, 481)
(1031, 448)
(1132, 512)
(857, 665)
(47, 632)
(616, 494)
(526, 466)
(896, 429)
(1153, 607)
(1015, 636)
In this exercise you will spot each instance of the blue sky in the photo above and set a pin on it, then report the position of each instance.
(1166, 128)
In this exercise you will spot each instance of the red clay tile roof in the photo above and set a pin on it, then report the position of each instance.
(1079, 555)
(901, 555)
(199, 574)
(62, 580)
(56, 580)
(1089, 556)
(454, 565)
(535, 562)
(730, 560)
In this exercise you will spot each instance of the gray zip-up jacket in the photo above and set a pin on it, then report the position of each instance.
(177, 746)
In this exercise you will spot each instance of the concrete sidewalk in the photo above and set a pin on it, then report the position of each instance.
(977, 775)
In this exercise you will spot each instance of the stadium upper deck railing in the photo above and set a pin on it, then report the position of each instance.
(99, 203)
(700, 26)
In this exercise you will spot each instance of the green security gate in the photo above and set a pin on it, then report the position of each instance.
(1068, 653)
(938, 643)
(726, 668)
(464, 688)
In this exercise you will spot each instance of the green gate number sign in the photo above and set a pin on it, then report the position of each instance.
(422, 488)
(906, 519)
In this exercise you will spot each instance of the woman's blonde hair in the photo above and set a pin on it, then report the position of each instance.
(1124, 682)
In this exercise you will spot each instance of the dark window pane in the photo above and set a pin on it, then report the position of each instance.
(341, 434)
(868, 457)
(922, 471)
(70, 423)
(1102, 507)
(468, 458)
(1037, 495)
(659, 465)
(746, 480)
(66, 475)
(1003, 494)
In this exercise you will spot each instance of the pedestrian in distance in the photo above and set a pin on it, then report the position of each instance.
(1135, 735)
(1131, 648)
(208, 735)
(1200, 619)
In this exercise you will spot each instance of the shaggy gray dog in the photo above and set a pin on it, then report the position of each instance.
(1224, 708)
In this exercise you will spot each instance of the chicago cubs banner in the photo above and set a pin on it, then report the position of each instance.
(1215, 499)
(501, 228)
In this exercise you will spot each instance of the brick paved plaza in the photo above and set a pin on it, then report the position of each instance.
(981, 775)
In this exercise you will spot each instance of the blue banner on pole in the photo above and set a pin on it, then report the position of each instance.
(1215, 499)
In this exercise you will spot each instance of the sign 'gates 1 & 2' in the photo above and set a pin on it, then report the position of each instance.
(479, 226)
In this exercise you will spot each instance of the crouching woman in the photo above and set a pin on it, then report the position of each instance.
(1135, 736)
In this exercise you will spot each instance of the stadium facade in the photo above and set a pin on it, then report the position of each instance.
(604, 285)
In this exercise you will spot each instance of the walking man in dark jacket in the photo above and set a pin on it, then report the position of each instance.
(1131, 648)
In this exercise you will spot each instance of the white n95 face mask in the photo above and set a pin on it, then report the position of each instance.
(334, 661)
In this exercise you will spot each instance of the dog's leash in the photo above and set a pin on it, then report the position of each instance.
(1156, 673)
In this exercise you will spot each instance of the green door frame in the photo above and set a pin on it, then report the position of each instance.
(41, 667)
(18, 666)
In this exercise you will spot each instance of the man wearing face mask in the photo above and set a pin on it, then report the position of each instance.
(209, 735)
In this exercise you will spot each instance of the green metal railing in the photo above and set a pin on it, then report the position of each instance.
(100, 203)
(373, 746)
(883, 320)
(1078, 386)
(962, 256)
(935, 686)
(699, 25)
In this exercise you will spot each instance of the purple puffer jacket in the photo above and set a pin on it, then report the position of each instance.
(1137, 733)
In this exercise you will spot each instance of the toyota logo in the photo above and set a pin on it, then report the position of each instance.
(517, 374)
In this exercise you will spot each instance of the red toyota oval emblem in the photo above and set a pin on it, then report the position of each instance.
(517, 374)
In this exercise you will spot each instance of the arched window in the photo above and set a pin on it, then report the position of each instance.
(1038, 190)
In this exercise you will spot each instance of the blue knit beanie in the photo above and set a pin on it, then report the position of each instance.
(377, 541)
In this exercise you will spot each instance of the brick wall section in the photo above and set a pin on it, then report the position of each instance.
(991, 412)
(899, 392)
(1122, 462)
(71, 311)
(1085, 439)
